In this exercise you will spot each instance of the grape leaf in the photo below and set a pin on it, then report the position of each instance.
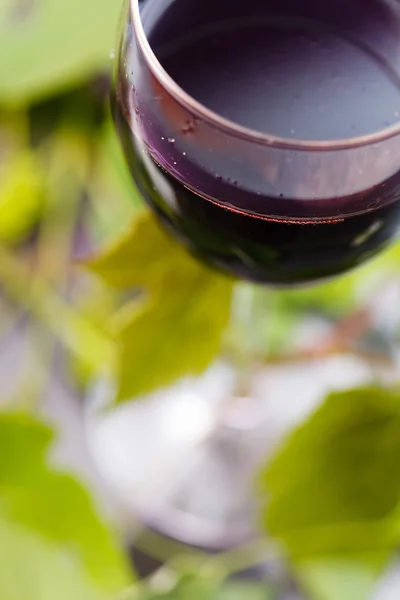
(244, 590)
(334, 489)
(21, 195)
(176, 334)
(200, 587)
(178, 331)
(115, 199)
(50, 511)
(31, 567)
(340, 578)
(22, 180)
(144, 257)
(334, 484)
(188, 586)
(47, 46)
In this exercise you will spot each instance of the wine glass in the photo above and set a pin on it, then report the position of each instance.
(265, 136)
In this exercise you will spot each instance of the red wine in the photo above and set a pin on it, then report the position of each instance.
(318, 78)
(289, 68)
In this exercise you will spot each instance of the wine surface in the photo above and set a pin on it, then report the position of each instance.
(306, 70)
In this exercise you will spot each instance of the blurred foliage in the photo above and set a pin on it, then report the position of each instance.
(236, 590)
(178, 334)
(347, 578)
(48, 46)
(334, 492)
(204, 586)
(21, 195)
(146, 313)
(178, 329)
(48, 525)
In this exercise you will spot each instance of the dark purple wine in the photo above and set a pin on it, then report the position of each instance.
(320, 79)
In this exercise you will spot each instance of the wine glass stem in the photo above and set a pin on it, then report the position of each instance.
(248, 336)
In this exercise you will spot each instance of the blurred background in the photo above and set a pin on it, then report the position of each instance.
(78, 352)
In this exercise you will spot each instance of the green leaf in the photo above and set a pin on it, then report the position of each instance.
(189, 586)
(244, 590)
(48, 45)
(144, 257)
(39, 506)
(334, 493)
(177, 333)
(340, 578)
(334, 484)
(21, 196)
(32, 567)
(95, 304)
(199, 586)
(22, 180)
(114, 197)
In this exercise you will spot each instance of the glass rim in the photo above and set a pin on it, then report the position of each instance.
(231, 127)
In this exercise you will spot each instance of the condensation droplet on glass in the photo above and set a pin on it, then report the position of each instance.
(219, 177)
(171, 140)
(189, 126)
(175, 163)
(163, 138)
(112, 54)
(184, 153)
(137, 111)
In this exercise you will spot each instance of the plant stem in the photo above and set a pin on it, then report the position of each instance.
(77, 334)
(225, 563)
